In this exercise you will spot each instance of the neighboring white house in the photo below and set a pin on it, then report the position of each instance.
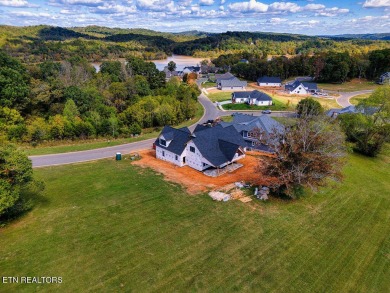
(270, 81)
(206, 147)
(301, 88)
(252, 98)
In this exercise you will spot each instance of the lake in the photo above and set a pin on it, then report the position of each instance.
(180, 60)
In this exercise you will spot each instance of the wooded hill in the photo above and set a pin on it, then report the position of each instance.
(42, 43)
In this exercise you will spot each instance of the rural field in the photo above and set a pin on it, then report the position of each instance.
(111, 226)
(350, 86)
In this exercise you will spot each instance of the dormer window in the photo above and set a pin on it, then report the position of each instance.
(163, 142)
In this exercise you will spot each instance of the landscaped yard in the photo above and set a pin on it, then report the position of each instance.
(220, 96)
(56, 147)
(350, 86)
(109, 226)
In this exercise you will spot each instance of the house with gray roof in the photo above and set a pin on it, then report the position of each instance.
(252, 98)
(270, 81)
(352, 110)
(246, 125)
(206, 147)
(228, 81)
(301, 88)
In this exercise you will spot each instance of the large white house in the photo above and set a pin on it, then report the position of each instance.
(207, 147)
(252, 98)
(301, 88)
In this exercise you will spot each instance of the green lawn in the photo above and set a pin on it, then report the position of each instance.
(107, 226)
(277, 106)
(351, 86)
(220, 96)
(208, 84)
(56, 147)
(355, 100)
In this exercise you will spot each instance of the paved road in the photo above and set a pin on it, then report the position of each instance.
(211, 112)
(343, 100)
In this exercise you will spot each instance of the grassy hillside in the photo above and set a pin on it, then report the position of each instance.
(108, 226)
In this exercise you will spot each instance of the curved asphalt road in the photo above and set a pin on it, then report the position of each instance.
(343, 100)
(211, 112)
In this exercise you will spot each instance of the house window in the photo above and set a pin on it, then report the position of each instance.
(176, 158)
(204, 164)
(192, 149)
(163, 154)
(253, 143)
(163, 142)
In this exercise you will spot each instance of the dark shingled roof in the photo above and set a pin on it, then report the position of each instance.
(178, 137)
(218, 144)
(269, 79)
(232, 82)
(244, 122)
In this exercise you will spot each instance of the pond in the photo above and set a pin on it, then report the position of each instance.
(180, 60)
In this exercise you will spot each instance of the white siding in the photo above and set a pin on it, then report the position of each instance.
(263, 103)
(269, 84)
(168, 156)
(195, 160)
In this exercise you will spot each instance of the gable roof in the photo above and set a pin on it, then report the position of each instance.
(269, 79)
(178, 137)
(226, 75)
(260, 96)
(245, 122)
(217, 144)
(192, 68)
(232, 82)
(310, 85)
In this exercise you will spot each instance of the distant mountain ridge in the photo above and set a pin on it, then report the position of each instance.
(378, 37)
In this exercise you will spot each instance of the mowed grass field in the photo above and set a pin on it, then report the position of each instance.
(350, 86)
(109, 226)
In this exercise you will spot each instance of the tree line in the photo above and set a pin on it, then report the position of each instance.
(331, 66)
(69, 100)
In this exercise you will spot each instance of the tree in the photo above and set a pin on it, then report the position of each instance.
(171, 66)
(369, 130)
(307, 154)
(15, 174)
(309, 107)
(70, 110)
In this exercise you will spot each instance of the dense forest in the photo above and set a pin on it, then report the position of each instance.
(69, 100)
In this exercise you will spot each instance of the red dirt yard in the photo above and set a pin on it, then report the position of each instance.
(196, 182)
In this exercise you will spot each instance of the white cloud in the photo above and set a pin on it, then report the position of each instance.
(314, 7)
(376, 3)
(330, 12)
(251, 6)
(206, 2)
(112, 8)
(284, 6)
(16, 3)
(90, 3)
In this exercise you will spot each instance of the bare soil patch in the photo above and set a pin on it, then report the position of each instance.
(196, 182)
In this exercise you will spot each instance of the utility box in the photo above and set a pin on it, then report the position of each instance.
(118, 156)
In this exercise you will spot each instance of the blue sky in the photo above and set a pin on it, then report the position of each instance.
(309, 17)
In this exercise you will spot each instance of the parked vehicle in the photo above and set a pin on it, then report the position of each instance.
(266, 111)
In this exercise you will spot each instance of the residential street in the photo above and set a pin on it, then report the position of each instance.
(343, 100)
(211, 112)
